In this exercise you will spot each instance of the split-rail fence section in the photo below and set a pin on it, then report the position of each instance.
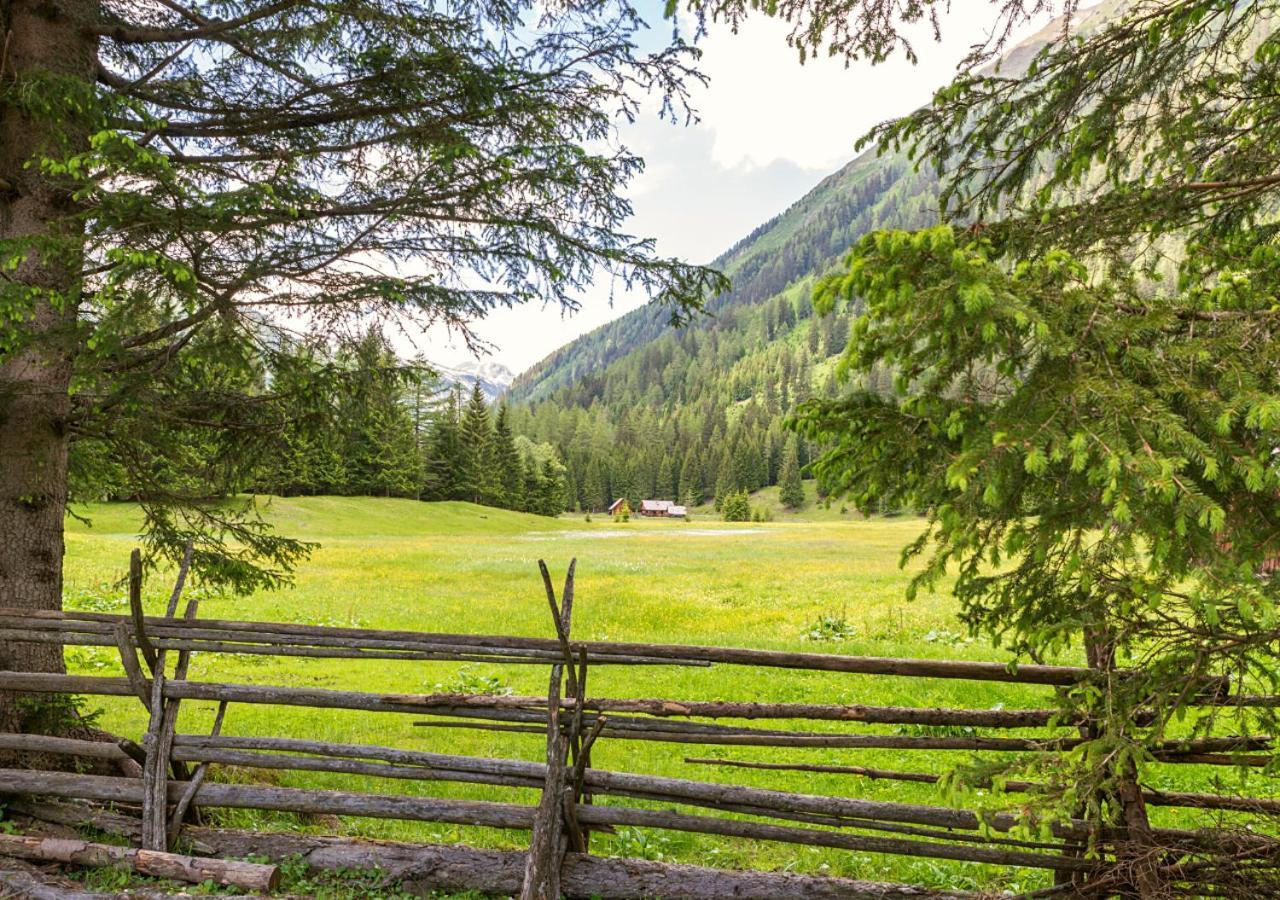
(1121, 859)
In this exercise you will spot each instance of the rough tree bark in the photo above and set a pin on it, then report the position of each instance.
(35, 379)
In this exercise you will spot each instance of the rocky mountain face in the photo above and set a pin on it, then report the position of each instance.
(493, 377)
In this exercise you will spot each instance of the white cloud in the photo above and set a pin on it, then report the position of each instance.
(763, 105)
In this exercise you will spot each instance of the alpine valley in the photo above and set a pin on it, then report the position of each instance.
(642, 408)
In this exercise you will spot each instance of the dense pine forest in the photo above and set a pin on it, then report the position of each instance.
(388, 428)
(695, 415)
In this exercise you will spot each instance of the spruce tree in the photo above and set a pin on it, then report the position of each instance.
(664, 487)
(745, 464)
(791, 489)
(639, 485)
(726, 484)
(533, 491)
(444, 477)
(308, 454)
(1076, 376)
(380, 446)
(477, 478)
(507, 460)
(595, 494)
(736, 507)
(551, 489)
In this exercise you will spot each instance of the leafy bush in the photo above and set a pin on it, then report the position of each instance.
(736, 507)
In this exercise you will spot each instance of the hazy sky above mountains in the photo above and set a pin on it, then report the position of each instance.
(770, 130)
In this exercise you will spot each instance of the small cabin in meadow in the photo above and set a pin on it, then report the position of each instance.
(619, 508)
(655, 508)
(662, 509)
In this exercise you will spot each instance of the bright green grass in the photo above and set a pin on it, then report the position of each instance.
(461, 568)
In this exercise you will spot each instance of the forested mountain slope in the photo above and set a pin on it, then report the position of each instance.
(640, 408)
(806, 238)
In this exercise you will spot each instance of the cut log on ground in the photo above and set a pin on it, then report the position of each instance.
(193, 869)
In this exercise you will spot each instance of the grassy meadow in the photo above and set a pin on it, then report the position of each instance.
(828, 586)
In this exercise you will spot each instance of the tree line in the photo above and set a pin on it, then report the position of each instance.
(371, 424)
(389, 428)
(363, 422)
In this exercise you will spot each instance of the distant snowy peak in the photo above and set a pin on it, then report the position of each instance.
(493, 377)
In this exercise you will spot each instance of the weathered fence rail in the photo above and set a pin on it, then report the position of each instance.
(175, 764)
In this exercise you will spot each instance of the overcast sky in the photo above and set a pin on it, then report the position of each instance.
(770, 130)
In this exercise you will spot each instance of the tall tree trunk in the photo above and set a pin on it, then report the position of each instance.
(35, 376)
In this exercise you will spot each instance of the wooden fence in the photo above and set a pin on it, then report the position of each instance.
(1127, 857)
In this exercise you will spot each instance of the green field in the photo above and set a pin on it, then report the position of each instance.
(461, 568)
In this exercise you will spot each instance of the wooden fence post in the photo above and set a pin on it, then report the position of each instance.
(156, 830)
(155, 773)
(547, 844)
(555, 821)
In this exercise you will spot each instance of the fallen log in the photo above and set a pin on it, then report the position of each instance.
(517, 817)
(193, 869)
(459, 868)
(20, 879)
